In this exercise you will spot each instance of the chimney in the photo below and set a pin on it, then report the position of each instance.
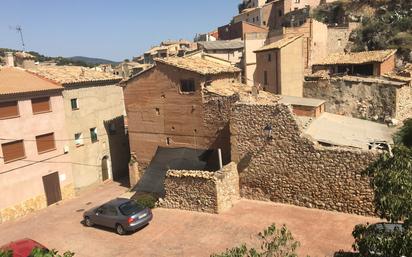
(9, 59)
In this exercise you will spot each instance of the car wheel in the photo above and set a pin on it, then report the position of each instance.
(120, 230)
(88, 222)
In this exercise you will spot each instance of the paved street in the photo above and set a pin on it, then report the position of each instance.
(181, 233)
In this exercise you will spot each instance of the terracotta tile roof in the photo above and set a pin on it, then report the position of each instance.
(358, 58)
(74, 74)
(17, 81)
(198, 65)
(279, 44)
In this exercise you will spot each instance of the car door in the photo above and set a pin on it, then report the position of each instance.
(107, 216)
(112, 216)
(99, 217)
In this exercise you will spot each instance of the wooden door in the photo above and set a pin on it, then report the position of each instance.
(51, 185)
(105, 169)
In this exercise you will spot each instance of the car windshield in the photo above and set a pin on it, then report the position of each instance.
(130, 208)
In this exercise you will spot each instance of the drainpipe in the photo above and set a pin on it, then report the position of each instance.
(219, 153)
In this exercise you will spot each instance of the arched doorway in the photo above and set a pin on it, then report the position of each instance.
(105, 168)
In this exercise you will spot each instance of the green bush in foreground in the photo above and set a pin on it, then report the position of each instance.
(37, 252)
(146, 200)
(274, 242)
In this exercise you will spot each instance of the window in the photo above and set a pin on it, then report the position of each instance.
(78, 139)
(265, 77)
(45, 143)
(269, 57)
(74, 103)
(40, 105)
(157, 111)
(93, 135)
(280, 13)
(297, 1)
(187, 86)
(9, 110)
(13, 151)
(112, 129)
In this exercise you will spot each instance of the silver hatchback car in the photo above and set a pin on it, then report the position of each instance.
(124, 215)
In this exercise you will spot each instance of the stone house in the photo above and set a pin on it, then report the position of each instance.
(369, 63)
(313, 48)
(338, 37)
(238, 30)
(94, 113)
(229, 50)
(279, 67)
(167, 107)
(35, 169)
(363, 85)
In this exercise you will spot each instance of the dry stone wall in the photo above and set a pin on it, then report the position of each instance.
(202, 191)
(291, 169)
(372, 101)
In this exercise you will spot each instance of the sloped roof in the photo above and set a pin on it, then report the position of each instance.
(67, 75)
(17, 81)
(301, 101)
(346, 131)
(198, 65)
(222, 44)
(357, 58)
(279, 44)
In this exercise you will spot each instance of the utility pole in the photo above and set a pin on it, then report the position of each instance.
(20, 31)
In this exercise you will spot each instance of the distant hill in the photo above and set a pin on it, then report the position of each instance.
(77, 60)
(91, 61)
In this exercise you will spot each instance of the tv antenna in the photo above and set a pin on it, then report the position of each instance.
(20, 31)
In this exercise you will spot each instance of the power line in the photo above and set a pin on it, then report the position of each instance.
(45, 140)
(33, 162)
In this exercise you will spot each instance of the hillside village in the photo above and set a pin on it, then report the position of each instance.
(274, 106)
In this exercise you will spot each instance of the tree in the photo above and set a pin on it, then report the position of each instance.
(274, 243)
(391, 180)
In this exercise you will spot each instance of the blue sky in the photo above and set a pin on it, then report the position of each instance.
(107, 29)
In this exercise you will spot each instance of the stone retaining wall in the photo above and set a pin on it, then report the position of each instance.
(291, 168)
(202, 191)
(372, 101)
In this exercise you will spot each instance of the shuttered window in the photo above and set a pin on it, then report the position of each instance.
(9, 110)
(45, 143)
(40, 105)
(13, 151)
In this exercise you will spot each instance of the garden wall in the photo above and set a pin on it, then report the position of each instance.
(202, 191)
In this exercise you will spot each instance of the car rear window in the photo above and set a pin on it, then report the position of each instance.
(130, 208)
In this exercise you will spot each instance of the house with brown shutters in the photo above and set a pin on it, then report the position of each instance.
(94, 116)
(35, 169)
(170, 105)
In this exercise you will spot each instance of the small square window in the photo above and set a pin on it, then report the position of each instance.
(74, 103)
(187, 86)
(78, 139)
(93, 135)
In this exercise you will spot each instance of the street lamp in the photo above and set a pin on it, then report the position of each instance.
(268, 132)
